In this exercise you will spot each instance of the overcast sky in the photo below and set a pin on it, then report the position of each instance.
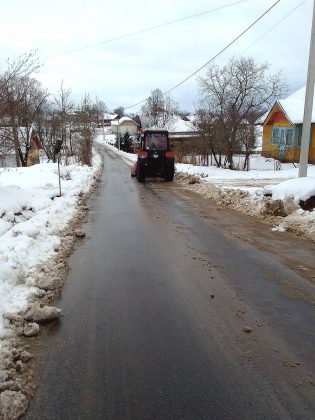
(124, 71)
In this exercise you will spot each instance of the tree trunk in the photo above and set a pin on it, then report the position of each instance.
(16, 144)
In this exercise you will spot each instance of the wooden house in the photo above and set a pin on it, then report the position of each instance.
(282, 129)
(33, 152)
(109, 118)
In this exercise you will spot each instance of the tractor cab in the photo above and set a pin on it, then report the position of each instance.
(154, 141)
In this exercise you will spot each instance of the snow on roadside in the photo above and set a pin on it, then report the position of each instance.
(33, 218)
(296, 189)
(108, 140)
(272, 199)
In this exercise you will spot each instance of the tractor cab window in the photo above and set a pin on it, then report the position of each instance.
(156, 142)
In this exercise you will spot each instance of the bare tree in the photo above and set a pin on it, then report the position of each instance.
(24, 101)
(83, 130)
(64, 108)
(23, 66)
(32, 100)
(120, 110)
(50, 131)
(161, 109)
(230, 96)
(16, 88)
(98, 109)
(209, 130)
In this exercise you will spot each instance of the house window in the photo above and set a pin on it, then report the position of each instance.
(298, 136)
(275, 138)
(282, 136)
(289, 136)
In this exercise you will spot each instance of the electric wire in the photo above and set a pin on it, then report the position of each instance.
(213, 58)
(274, 26)
(162, 25)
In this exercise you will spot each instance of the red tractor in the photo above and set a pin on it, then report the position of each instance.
(155, 156)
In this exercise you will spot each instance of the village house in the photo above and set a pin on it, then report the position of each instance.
(180, 129)
(125, 125)
(8, 158)
(183, 130)
(33, 152)
(282, 129)
(109, 118)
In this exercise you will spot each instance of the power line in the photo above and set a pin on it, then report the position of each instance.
(274, 26)
(162, 25)
(213, 58)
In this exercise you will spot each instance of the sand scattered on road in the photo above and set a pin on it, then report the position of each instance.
(282, 215)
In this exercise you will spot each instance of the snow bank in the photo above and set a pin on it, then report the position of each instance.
(31, 216)
(109, 140)
(278, 204)
(296, 189)
(37, 228)
(212, 173)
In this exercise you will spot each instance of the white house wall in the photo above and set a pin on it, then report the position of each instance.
(123, 128)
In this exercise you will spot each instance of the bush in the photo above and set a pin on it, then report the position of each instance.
(125, 143)
(82, 146)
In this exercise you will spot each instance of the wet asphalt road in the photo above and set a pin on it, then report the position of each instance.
(154, 308)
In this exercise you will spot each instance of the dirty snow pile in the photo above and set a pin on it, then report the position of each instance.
(275, 196)
(297, 189)
(31, 216)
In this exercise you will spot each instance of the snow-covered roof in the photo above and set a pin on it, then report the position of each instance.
(110, 116)
(192, 118)
(293, 108)
(181, 126)
(123, 119)
(174, 125)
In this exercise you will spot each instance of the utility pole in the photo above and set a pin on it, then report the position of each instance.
(308, 107)
(150, 114)
(118, 136)
(103, 122)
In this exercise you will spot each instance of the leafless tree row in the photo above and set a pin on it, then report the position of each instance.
(28, 110)
(231, 98)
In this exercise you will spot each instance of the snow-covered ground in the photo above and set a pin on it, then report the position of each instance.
(32, 219)
(31, 216)
(271, 195)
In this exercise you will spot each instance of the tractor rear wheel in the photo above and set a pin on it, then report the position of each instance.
(169, 175)
(140, 174)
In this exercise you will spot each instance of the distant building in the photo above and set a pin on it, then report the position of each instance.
(183, 130)
(109, 118)
(124, 125)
